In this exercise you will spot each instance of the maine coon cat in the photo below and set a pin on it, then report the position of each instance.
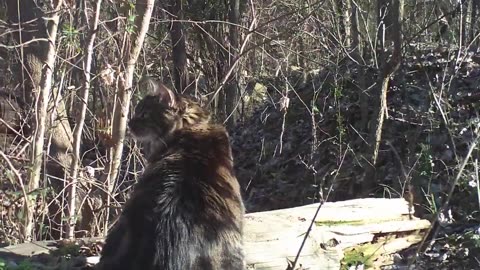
(186, 211)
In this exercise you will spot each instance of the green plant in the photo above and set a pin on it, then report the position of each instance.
(424, 178)
(24, 265)
(356, 257)
(70, 249)
(70, 33)
(425, 161)
(130, 27)
(338, 89)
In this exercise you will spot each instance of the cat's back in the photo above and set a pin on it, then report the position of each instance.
(195, 182)
(197, 164)
(206, 147)
(206, 144)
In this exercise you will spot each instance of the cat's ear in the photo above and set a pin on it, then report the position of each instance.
(165, 95)
(158, 89)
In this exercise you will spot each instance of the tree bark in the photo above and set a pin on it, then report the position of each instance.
(463, 23)
(338, 8)
(40, 61)
(348, 17)
(41, 111)
(387, 71)
(27, 17)
(80, 121)
(231, 95)
(356, 52)
(179, 49)
(28, 20)
(473, 19)
(122, 102)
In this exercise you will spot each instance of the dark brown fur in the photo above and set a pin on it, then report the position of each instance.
(186, 212)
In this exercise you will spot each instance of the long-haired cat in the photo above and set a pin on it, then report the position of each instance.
(186, 211)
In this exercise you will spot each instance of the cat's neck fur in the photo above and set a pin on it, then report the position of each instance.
(157, 148)
(191, 137)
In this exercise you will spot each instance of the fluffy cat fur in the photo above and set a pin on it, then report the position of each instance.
(186, 211)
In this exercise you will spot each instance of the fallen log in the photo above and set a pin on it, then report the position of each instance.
(273, 238)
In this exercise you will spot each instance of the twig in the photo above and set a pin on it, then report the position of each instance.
(322, 201)
(292, 266)
(242, 49)
(23, 44)
(15, 171)
(19, 177)
(234, 64)
(13, 130)
(477, 181)
(78, 130)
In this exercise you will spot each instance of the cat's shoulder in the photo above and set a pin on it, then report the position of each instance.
(208, 135)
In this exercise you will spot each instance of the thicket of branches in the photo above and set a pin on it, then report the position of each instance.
(70, 73)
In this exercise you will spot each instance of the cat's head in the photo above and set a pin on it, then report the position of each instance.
(162, 112)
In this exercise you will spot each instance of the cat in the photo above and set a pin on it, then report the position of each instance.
(186, 211)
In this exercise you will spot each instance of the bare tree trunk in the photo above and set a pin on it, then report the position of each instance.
(339, 21)
(215, 51)
(122, 103)
(357, 54)
(473, 15)
(231, 95)
(347, 12)
(41, 115)
(382, 9)
(58, 160)
(77, 132)
(28, 18)
(388, 70)
(473, 19)
(179, 49)
(463, 22)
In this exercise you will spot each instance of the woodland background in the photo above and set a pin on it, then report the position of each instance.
(324, 100)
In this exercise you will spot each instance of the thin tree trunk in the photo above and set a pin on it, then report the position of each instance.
(381, 26)
(28, 18)
(463, 22)
(388, 70)
(44, 90)
(348, 23)
(179, 49)
(122, 103)
(80, 121)
(473, 20)
(339, 21)
(231, 96)
(356, 52)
